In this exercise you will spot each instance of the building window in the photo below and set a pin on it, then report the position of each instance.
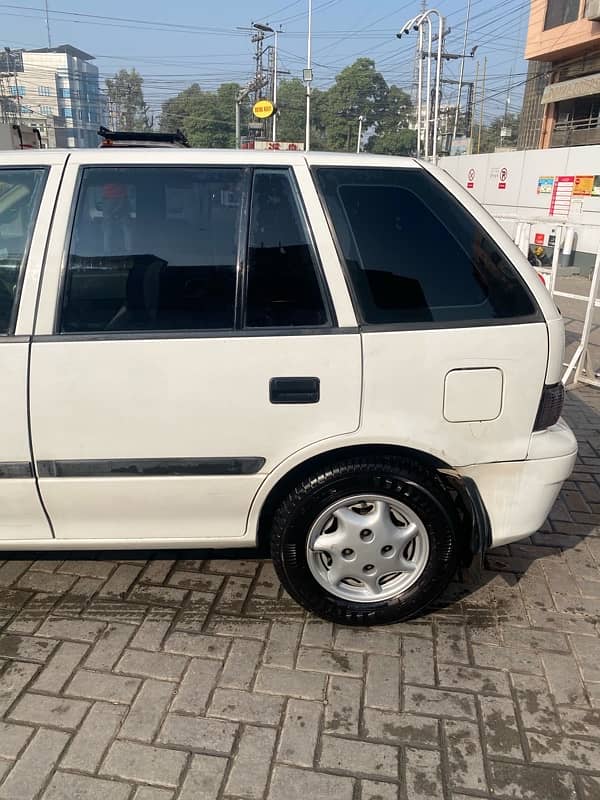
(47, 110)
(559, 12)
(44, 91)
(20, 90)
(67, 113)
(64, 92)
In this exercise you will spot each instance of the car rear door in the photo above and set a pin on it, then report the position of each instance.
(28, 187)
(455, 342)
(194, 345)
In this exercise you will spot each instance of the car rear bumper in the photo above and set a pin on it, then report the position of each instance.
(518, 495)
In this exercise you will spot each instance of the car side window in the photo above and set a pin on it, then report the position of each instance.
(415, 255)
(20, 194)
(283, 284)
(154, 249)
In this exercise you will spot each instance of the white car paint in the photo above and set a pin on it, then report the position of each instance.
(181, 396)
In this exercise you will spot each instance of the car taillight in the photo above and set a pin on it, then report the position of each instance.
(551, 406)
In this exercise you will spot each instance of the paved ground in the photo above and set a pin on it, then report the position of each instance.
(128, 679)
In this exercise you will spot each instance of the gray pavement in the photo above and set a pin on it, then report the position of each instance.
(190, 677)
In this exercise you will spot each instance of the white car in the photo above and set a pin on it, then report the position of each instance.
(344, 356)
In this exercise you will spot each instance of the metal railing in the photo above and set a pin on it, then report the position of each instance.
(576, 132)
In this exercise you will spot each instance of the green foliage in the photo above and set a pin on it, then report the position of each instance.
(208, 118)
(127, 107)
(491, 134)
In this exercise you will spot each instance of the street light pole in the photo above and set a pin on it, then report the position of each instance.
(308, 75)
(361, 119)
(275, 86)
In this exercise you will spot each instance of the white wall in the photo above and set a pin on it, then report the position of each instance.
(520, 197)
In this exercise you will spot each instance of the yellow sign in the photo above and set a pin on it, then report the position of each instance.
(263, 109)
(584, 185)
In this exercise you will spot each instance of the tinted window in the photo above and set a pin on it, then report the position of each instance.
(283, 284)
(559, 12)
(414, 253)
(153, 249)
(20, 193)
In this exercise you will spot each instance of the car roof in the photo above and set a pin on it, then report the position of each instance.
(167, 155)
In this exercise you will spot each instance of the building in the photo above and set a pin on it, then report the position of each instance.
(561, 105)
(56, 89)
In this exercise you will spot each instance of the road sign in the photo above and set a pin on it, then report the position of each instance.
(502, 178)
(263, 109)
(471, 179)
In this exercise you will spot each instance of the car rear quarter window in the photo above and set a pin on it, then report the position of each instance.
(20, 195)
(415, 255)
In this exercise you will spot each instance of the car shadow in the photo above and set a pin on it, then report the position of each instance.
(542, 568)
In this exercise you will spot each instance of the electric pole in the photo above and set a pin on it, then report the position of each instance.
(482, 104)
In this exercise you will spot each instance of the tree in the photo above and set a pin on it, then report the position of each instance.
(358, 90)
(128, 110)
(291, 110)
(392, 134)
(491, 135)
(206, 118)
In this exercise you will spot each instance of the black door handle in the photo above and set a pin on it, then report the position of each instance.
(294, 390)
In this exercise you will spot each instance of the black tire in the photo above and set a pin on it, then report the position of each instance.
(402, 479)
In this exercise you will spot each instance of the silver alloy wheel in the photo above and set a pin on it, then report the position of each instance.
(367, 548)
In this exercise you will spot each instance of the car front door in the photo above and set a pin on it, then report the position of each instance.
(194, 346)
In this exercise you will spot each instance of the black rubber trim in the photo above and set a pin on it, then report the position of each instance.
(16, 469)
(481, 529)
(149, 467)
(263, 333)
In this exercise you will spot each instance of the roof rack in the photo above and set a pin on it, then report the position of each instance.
(141, 139)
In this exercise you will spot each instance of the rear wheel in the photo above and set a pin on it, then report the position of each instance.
(366, 541)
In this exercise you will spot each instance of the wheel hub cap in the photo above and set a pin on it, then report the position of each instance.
(367, 548)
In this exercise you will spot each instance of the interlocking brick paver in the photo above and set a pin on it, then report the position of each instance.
(93, 738)
(13, 739)
(192, 679)
(300, 733)
(67, 657)
(26, 648)
(148, 710)
(144, 764)
(162, 666)
(250, 707)
(252, 763)
(204, 778)
(241, 664)
(347, 755)
(423, 774)
(196, 687)
(401, 728)
(342, 712)
(55, 712)
(198, 733)
(31, 771)
(291, 783)
(291, 682)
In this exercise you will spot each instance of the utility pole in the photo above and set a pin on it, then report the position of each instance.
(472, 110)
(308, 75)
(462, 73)
(48, 24)
(482, 104)
(275, 51)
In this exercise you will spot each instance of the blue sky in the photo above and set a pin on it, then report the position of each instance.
(176, 43)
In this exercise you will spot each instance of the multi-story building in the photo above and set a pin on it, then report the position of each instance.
(561, 106)
(57, 89)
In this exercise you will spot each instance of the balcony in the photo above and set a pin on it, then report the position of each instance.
(574, 132)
